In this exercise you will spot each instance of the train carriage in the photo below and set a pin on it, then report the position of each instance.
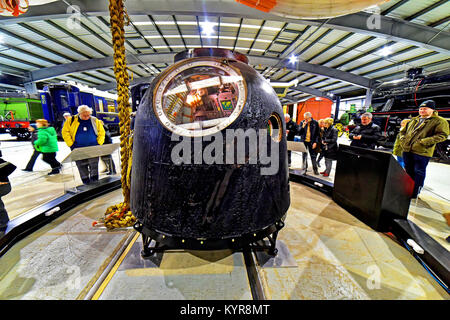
(19, 111)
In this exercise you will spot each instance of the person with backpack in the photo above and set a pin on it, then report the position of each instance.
(84, 130)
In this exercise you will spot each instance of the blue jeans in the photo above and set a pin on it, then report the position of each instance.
(416, 167)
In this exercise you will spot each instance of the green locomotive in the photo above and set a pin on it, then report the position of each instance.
(16, 114)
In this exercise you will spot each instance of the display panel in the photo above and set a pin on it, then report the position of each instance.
(199, 97)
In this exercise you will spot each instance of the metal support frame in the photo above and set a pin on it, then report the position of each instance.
(311, 91)
(336, 109)
(30, 88)
(148, 250)
(156, 242)
(112, 85)
(390, 28)
(99, 63)
(368, 100)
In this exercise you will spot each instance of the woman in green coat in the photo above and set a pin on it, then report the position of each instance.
(47, 143)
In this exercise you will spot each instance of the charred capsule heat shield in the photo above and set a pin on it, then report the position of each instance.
(209, 155)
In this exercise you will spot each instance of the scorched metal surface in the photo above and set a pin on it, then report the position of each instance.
(207, 205)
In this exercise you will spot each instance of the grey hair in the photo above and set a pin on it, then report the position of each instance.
(287, 115)
(84, 107)
(309, 114)
(367, 114)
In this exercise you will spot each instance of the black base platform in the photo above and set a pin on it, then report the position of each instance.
(155, 241)
(36, 218)
(436, 257)
(301, 176)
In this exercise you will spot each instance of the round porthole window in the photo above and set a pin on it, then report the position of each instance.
(199, 97)
(275, 128)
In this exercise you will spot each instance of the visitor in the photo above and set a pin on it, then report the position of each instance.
(47, 144)
(418, 140)
(367, 134)
(329, 145)
(310, 135)
(291, 131)
(84, 130)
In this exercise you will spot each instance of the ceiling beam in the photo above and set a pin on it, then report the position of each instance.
(314, 69)
(393, 7)
(113, 84)
(390, 28)
(426, 10)
(311, 91)
(100, 63)
(289, 98)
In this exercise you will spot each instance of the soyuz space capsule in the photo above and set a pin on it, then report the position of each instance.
(209, 164)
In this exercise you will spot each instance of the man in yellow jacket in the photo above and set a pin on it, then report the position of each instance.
(84, 130)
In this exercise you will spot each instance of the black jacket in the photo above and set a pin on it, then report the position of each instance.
(314, 131)
(293, 130)
(370, 135)
(330, 136)
(6, 171)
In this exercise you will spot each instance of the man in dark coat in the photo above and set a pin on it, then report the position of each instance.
(367, 134)
(310, 135)
(329, 145)
(292, 130)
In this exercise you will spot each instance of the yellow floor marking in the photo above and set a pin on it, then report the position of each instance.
(102, 268)
(87, 233)
(114, 269)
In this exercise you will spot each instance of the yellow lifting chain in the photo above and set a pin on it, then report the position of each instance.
(119, 215)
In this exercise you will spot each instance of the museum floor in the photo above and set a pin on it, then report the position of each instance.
(325, 253)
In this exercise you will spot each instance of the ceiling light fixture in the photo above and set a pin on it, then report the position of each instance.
(207, 28)
(385, 51)
(293, 59)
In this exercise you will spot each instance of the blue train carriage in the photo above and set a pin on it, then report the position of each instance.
(106, 109)
(57, 99)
